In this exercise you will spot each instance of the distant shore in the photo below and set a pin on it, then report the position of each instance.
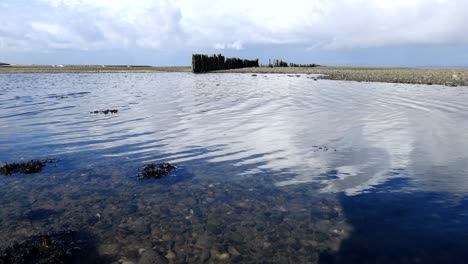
(448, 77)
(12, 69)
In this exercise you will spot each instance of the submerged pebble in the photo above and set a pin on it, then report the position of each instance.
(152, 257)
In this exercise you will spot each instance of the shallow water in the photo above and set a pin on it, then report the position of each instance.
(271, 168)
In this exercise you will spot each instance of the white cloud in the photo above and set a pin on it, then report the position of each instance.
(223, 24)
(236, 45)
(331, 24)
(87, 25)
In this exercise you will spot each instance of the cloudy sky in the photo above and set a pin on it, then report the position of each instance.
(165, 32)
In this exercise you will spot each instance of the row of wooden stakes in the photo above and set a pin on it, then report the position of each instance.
(205, 63)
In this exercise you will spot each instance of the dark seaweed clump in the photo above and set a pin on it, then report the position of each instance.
(105, 112)
(156, 171)
(30, 167)
(58, 248)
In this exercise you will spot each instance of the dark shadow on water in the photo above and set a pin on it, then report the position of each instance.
(397, 227)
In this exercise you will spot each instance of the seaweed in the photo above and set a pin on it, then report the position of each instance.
(30, 167)
(57, 248)
(105, 112)
(156, 171)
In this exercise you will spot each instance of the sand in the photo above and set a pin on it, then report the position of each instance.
(448, 77)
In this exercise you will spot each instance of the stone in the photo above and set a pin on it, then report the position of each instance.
(223, 256)
(109, 249)
(171, 255)
(152, 257)
(126, 261)
(204, 241)
(205, 256)
(233, 251)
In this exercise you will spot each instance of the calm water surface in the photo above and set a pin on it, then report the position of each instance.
(271, 168)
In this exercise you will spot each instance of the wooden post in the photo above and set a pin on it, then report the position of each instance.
(205, 63)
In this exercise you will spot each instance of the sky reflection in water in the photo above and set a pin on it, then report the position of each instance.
(294, 125)
(394, 154)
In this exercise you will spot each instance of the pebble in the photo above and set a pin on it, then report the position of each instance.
(233, 251)
(109, 249)
(205, 256)
(171, 255)
(263, 222)
(152, 257)
(204, 241)
(223, 256)
(126, 261)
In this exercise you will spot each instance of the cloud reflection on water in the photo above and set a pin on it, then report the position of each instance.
(263, 124)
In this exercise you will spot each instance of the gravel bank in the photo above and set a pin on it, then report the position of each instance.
(449, 77)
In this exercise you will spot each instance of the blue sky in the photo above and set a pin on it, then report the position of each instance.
(423, 33)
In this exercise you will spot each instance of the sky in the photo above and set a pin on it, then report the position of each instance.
(415, 33)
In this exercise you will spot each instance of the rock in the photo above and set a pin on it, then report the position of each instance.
(236, 237)
(205, 256)
(109, 249)
(152, 257)
(204, 241)
(233, 251)
(139, 226)
(237, 259)
(214, 229)
(126, 261)
(223, 256)
(171, 255)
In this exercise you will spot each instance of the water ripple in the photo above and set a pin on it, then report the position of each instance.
(268, 123)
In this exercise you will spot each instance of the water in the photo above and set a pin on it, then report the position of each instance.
(271, 168)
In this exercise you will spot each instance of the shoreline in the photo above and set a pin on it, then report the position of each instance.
(448, 77)
(27, 69)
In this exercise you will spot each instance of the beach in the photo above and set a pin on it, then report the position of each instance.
(448, 77)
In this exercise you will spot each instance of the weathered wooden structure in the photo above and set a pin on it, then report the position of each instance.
(205, 63)
(281, 63)
(303, 65)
